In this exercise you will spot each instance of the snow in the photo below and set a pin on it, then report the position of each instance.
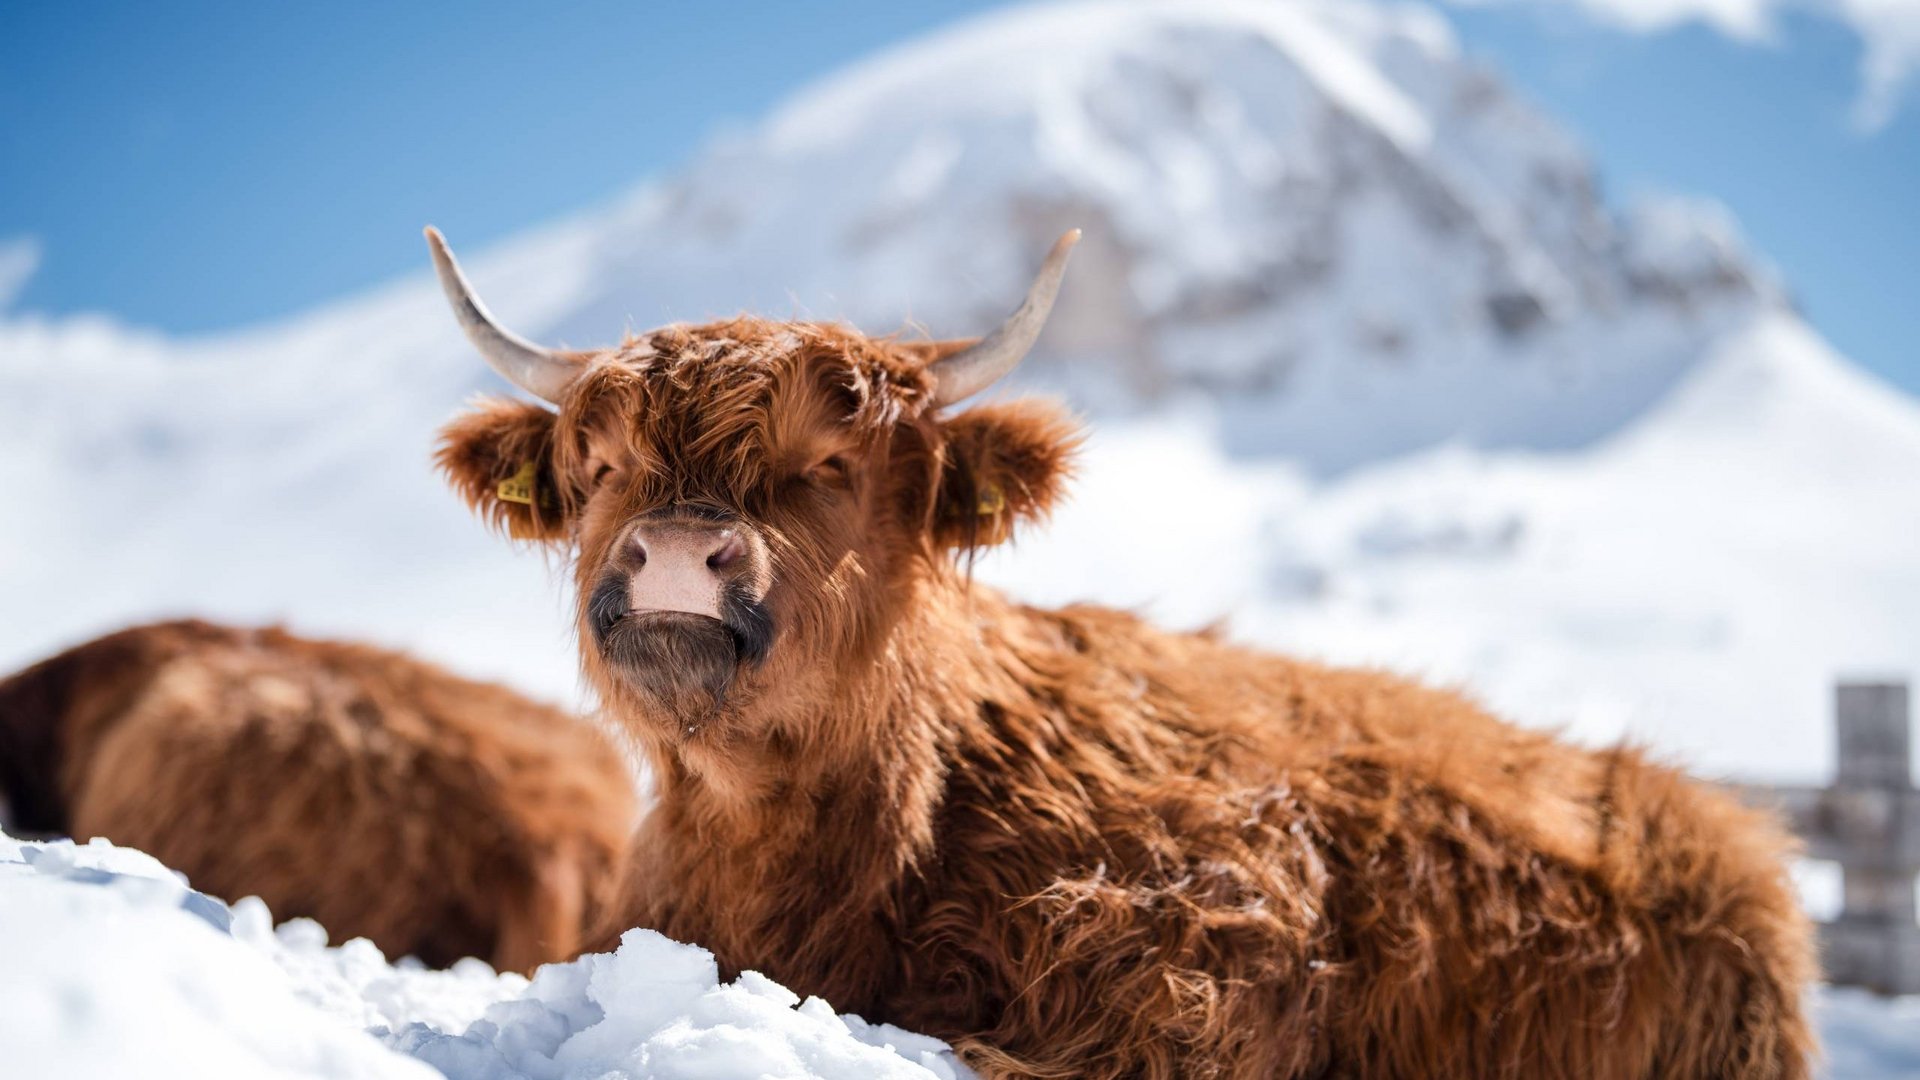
(1868, 1037)
(116, 967)
(1002, 61)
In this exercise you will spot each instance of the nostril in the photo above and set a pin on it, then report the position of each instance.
(639, 549)
(731, 550)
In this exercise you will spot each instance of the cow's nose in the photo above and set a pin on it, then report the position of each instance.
(681, 566)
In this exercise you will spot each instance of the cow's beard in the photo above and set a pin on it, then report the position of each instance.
(682, 664)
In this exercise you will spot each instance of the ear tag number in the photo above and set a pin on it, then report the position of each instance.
(518, 488)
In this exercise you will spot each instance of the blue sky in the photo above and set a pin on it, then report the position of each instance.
(199, 166)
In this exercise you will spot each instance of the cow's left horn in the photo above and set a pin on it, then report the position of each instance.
(975, 368)
(543, 373)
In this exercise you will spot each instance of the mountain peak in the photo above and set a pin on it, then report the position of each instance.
(1011, 59)
(1319, 211)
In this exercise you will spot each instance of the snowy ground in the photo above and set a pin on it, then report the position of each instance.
(113, 967)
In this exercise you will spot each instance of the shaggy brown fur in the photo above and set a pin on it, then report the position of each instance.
(386, 798)
(1078, 845)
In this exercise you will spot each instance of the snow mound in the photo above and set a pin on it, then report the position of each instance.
(114, 967)
(656, 1008)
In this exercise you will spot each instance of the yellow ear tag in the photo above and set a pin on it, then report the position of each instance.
(992, 501)
(518, 488)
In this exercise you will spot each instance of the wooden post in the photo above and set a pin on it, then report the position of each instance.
(1870, 820)
(1871, 722)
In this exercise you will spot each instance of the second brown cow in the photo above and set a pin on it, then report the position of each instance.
(389, 799)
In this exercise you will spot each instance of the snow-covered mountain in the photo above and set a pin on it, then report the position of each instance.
(1365, 348)
(1316, 211)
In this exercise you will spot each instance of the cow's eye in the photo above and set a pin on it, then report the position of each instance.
(602, 473)
(829, 472)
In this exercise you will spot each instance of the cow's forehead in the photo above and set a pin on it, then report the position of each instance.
(749, 378)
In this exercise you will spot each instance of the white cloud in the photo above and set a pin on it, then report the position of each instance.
(19, 258)
(1746, 20)
(1889, 32)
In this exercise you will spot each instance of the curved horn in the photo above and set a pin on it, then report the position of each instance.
(975, 368)
(543, 373)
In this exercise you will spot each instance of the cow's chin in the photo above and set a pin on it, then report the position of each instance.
(679, 663)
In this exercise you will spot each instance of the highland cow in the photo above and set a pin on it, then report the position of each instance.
(389, 799)
(1070, 842)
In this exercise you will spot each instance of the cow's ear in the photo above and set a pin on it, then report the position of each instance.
(499, 457)
(1003, 465)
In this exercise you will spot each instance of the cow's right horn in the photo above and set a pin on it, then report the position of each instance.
(975, 368)
(543, 373)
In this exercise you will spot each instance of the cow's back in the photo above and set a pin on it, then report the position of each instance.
(1358, 875)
